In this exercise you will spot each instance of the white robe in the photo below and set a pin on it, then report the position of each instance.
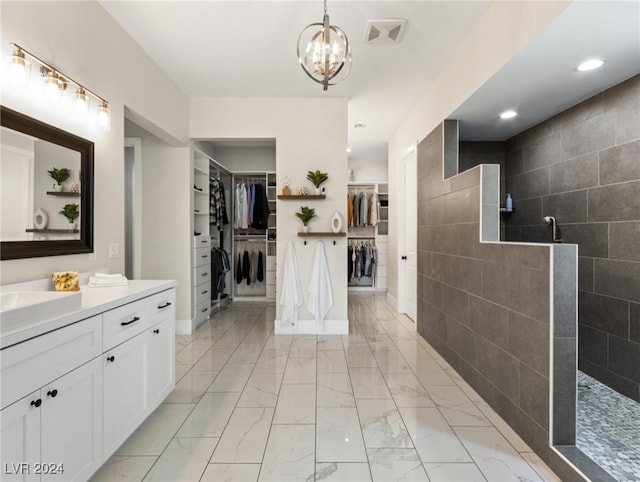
(320, 296)
(291, 296)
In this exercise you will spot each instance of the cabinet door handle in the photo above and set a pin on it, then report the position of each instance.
(204, 310)
(403, 257)
(52, 393)
(156, 331)
(125, 323)
(167, 304)
(111, 358)
(205, 255)
(36, 403)
(205, 292)
(205, 274)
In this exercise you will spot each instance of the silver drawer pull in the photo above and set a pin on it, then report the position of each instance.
(125, 323)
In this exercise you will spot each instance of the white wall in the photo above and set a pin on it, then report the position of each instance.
(503, 30)
(166, 221)
(83, 41)
(369, 171)
(247, 158)
(296, 124)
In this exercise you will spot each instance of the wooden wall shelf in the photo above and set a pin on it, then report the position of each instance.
(58, 231)
(301, 196)
(63, 193)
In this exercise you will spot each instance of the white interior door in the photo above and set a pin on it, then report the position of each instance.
(410, 256)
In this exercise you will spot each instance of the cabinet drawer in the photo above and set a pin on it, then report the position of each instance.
(125, 322)
(201, 274)
(163, 306)
(201, 241)
(201, 293)
(202, 256)
(202, 311)
(271, 263)
(30, 365)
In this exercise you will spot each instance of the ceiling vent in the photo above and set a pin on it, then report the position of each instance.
(384, 31)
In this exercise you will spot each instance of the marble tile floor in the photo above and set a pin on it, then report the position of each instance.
(608, 428)
(378, 404)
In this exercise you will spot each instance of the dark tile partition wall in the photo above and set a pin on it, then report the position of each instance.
(485, 307)
(583, 167)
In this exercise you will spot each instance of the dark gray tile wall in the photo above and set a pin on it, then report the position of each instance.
(590, 157)
(485, 307)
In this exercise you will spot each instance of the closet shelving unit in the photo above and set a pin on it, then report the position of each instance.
(375, 235)
(257, 240)
(201, 252)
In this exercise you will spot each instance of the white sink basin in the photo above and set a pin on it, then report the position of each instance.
(23, 308)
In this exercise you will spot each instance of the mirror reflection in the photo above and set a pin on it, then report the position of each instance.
(46, 189)
(40, 189)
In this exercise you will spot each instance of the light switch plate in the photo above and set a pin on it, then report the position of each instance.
(114, 250)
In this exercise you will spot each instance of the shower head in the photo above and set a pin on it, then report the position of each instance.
(549, 220)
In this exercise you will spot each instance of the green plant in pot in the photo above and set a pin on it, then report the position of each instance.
(305, 215)
(317, 178)
(59, 176)
(71, 212)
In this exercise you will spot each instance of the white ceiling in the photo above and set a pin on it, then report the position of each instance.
(243, 48)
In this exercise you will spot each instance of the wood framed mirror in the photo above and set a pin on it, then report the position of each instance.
(33, 222)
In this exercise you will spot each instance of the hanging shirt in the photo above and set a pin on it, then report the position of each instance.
(349, 210)
(260, 275)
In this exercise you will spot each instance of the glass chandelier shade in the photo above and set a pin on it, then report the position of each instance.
(324, 53)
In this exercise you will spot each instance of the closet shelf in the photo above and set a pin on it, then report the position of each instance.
(326, 234)
(301, 196)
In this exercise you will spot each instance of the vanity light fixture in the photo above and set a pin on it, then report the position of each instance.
(324, 52)
(56, 83)
(590, 64)
(508, 114)
(19, 66)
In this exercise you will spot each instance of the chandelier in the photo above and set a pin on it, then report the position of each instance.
(323, 52)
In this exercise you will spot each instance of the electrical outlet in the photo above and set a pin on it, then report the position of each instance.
(114, 250)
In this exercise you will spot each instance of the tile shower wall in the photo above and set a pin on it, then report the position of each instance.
(583, 167)
(485, 306)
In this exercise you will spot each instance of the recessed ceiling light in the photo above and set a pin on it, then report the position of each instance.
(590, 64)
(508, 114)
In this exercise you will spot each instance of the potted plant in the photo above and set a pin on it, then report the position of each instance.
(59, 175)
(317, 178)
(306, 214)
(71, 212)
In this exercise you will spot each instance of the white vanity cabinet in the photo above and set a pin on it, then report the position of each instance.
(72, 395)
(55, 433)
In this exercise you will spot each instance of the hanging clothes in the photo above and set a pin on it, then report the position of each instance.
(364, 209)
(246, 267)
(320, 295)
(349, 263)
(217, 204)
(349, 210)
(239, 270)
(253, 271)
(374, 209)
(260, 208)
(291, 296)
(260, 275)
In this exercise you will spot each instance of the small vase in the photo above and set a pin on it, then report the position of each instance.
(40, 219)
(57, 187)
(336, 223)
(71, 226)
(305, 229)
(318, 191)
(286, 191)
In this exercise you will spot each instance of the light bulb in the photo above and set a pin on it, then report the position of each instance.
(53, 84)
(18, 67)
(104, 116)
(81, 103)
(590, 64)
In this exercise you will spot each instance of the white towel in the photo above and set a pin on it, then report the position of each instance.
(107, 280)
(291, 296)
(320, 296)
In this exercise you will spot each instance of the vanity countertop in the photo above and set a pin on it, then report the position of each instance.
(94, 301)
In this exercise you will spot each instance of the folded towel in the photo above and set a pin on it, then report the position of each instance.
(109, 276)
(107, 282)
